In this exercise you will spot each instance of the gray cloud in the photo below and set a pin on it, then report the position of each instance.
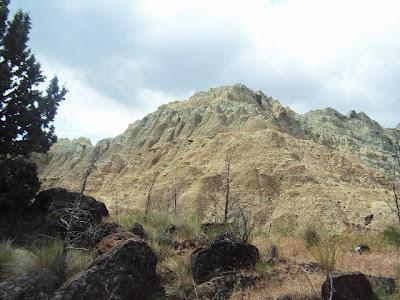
(139, 54)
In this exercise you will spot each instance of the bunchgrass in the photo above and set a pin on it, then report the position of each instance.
(50, 256)
(7, 259)
(326, 254)
(392, 235)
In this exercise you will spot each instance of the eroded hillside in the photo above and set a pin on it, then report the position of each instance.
(288, 168)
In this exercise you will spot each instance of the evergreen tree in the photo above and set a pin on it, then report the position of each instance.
(26, 113)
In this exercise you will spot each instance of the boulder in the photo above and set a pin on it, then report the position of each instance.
(384, 285)
(91, 237)
(61, 206)
(138, 230)
(46, 218)
(125, 272)
(346, 286)
(368, 219)
(222, 286)
(361, 248)
(221, 256)
(38, 284)
(113, 240)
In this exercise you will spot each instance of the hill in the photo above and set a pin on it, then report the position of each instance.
(290, 169)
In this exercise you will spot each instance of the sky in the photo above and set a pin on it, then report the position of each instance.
(121, 59)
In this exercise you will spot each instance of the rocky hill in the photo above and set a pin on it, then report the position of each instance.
(290, 169)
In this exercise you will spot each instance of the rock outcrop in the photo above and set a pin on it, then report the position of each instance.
(126, 272)
(34, 285)
(49, 216)
(222, 286)
(346, 286)
(289, 167)
(222, 256)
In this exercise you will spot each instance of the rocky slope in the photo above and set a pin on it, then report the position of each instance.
(288, 168)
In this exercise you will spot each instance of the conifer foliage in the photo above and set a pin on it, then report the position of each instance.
(26, 113)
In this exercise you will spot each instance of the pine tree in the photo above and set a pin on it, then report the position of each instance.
(26, 113)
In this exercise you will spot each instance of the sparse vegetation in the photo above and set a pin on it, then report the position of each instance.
(392, 235)
(311, 236)
(182, 285)
(326, 254)
(15, 260)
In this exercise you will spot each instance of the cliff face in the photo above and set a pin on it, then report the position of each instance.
(288, 168)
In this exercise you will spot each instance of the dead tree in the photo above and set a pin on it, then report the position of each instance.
(228, 180)
(98, 152)
(148, 201)
(75, 213)
(242, 222)
(396, 178)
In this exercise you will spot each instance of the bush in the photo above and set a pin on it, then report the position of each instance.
(392, 235)
(19, 184)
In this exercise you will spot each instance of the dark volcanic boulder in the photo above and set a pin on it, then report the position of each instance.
(346, 286)
(91, 237)
(221, 256)
(39, 284)
(113, 240)
(126, 272)
(60, 206)
(384, 285)
(222, 286)
(137, 229)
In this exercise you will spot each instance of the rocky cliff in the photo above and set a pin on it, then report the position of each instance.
(288, 168)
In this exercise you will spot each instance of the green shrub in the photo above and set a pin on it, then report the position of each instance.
(392, 235)
(19, 184)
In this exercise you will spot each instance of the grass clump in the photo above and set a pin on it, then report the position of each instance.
(78, 260)
(392, 235)
(326, 254)
(311, 236)
(50, 256)
(7, 259)
(182, 286)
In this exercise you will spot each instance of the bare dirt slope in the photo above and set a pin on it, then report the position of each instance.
(289, 169)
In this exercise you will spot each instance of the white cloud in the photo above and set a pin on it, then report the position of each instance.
(86, 112)
(308, 54)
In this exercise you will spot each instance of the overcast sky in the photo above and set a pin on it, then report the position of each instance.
(121, 59)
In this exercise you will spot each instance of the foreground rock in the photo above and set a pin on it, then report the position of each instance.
(36, 285)
(384, 285)
(60, 206)
(221, 256)
(222, 286)
(113, 240)
(91, 237)
(346, 286)
(126, 272)
(47, 217)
